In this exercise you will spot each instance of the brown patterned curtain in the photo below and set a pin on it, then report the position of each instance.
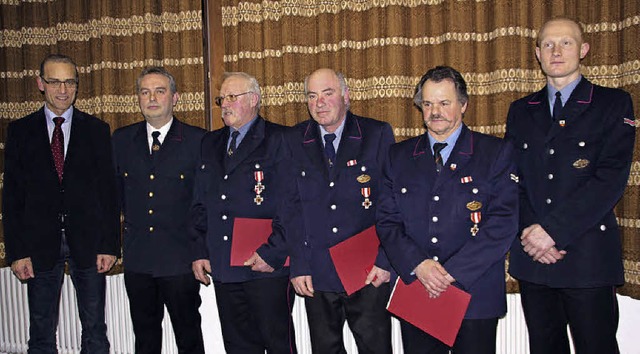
(384, 46)
(110, 41)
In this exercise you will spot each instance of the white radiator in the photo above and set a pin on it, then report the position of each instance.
(512, 333)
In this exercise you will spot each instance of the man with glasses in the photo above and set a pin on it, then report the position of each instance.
(59, 207)
(156, 160)
(240, 177)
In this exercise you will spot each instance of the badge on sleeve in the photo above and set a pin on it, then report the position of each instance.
(630, 122)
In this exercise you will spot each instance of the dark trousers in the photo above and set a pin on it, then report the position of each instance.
(147, 297)
(44, 304)
(365, 312)
(475, 337)
(256, 316)
(591, 313)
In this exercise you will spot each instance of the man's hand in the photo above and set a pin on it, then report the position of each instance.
(377, 276)
(303, 285)
(552, 256)
(104, 262)
(433, 276)
(536, 241)
(201, 268)
(258, 264)
(22, 268)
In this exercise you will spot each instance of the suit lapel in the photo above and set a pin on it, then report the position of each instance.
(313, 147)
(43, 143)
(170, 143)
(255, 136)
(350, 143)
(424, 161)
(540, 111)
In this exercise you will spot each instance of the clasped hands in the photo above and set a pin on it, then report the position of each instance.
(433, 277)
(540, 246)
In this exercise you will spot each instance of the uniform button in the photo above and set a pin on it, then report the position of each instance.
(551, 151)
(150, 228)
(303, 174)
(331, 184)
(224, 217)
(435, 258)
(550, 176)
(151, 177)
(434, 219)
(202, 167)
(305, 243)
(225, 238)
(181, 176)
(226, 177)
(525, 146)
(603, 227)
(474, 191)
(403, 190)
(126, 174)
(436, 198)
(335, 230)
(363, 168)
(548, 201)
(150, 211)
(150, 194)
(582, 144)
(257, 166)
(434, 240)
(223, 197)
(333, 207)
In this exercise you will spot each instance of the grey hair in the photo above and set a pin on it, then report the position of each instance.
(253, 83)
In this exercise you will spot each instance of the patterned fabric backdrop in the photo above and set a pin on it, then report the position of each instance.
(110, 41)
(382, 46)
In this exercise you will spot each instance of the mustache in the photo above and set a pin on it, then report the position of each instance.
(436, 116)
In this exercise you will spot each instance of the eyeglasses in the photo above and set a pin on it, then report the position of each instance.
(71, 83)
(231, 98)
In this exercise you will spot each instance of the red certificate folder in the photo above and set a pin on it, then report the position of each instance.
(440, 317)
(354, 258)
(248, 235)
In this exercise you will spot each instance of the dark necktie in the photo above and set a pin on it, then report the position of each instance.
(232, 145)
(155, 145)
(329, 150)
(557, 107)
(57, 146)
(437, 147)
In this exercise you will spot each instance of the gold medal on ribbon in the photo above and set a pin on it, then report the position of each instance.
(475, 217)
(259, 187)
(366, 192)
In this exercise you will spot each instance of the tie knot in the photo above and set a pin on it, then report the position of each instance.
(558, 94)
(155, 134)
(58, 121)
(329, 138)
(437, 147)
(235, 134)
